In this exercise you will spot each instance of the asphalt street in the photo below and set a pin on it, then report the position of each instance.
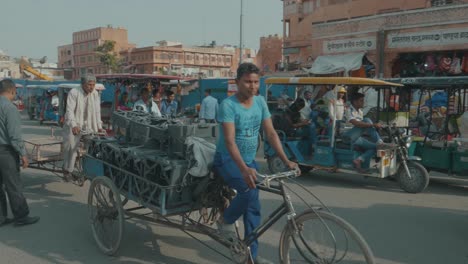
(430, 227)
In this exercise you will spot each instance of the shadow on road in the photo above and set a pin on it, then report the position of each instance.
(64, 235)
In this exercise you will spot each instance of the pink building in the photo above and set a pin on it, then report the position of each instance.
(389, 38)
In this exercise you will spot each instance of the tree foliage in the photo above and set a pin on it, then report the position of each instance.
(108, 57)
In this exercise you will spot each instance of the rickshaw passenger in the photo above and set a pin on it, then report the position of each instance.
(125, 104)
(362, 125)
(293, 117)
(305, 112)
(146, 105)
(240, 117)
(169, 106)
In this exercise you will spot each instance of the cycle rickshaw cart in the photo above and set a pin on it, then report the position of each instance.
(332, 152)
(437, 107)
(152, 162)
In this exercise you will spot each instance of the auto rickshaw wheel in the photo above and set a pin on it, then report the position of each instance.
(419, 177)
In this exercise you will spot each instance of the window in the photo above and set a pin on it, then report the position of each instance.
(308, 7)
(90, 58)
(441, 2)
(81, 47)
(68, 52)
(213, 59)
(188, 57)
(82, 59)
(287, 28)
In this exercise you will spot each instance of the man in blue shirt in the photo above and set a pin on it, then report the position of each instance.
(169, 105)
(209, 107)
(240, 117)
(11, 151)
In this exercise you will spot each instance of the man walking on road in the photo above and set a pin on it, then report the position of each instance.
(209, 107)
(241, 117)
(83, 116)
(11, 151)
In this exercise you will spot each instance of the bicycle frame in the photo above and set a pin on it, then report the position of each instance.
(286, 208)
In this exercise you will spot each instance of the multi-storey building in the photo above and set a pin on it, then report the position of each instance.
(269, 55)
(395, 38)
(166, 58)
(82, 56)
(175, 59)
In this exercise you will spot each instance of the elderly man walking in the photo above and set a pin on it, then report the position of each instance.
(11, 151)
(209, 107)
(82, 117)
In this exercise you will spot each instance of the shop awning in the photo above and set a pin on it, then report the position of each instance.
(336, 63)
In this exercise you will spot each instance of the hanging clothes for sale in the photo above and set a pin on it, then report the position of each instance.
(464, 64)
(445, 63)
(430, 64)
(455, 67)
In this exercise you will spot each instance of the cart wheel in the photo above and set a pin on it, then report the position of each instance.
(419, 177)
(106, 214)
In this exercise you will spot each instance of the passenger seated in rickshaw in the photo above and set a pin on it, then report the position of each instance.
(145, 104)
(125, 104)
(362, 126)
(291, 122)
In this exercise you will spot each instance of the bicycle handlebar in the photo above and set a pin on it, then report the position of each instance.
(267, 178)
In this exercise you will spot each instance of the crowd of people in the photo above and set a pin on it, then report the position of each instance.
(241, 117)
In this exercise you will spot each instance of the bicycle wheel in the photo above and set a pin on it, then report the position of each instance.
(323, 237)
(106, 214)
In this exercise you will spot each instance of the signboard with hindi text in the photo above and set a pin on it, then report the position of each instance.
(428, 38)
(349, 45)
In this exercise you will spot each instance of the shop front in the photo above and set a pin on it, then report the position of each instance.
(427, 53)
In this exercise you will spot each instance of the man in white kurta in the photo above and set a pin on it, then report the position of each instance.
(82, 117)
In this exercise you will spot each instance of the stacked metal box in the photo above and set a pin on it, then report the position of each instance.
(147, 156)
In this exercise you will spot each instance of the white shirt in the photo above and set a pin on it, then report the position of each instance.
(353, 114)
(55, 101)
(305, 112)
(141, 106)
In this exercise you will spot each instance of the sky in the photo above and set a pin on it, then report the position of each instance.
(35, 28)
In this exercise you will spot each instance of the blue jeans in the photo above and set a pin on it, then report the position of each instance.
(246, 203)
(355, 137)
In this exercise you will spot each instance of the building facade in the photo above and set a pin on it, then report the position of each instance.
(81, 54)
(269, 56)
(171, 58)
(175, 59)
(396, 38)
(8, 68)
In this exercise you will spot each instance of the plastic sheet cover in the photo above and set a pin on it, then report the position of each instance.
(336, 63)
(200, 154)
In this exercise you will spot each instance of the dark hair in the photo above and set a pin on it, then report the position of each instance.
(6, 85)
(144, 90)
(208, 91)
(154, 92)
(357, 96)
(247, 68)
(297, 105)
(169, 93)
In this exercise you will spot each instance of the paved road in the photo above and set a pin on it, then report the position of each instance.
(431, 227)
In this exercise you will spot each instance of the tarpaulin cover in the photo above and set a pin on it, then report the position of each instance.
(200, 153)
(337, 63)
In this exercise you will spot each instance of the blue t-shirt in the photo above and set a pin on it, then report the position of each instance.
(247, 123)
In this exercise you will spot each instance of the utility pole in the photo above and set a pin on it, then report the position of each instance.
(241, 30)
